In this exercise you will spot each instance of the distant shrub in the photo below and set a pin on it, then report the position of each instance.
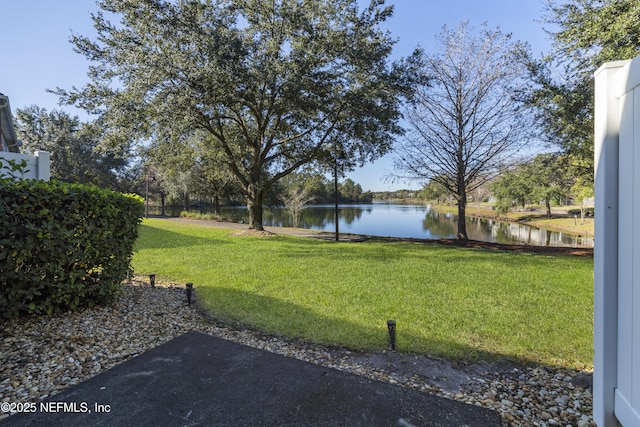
(200, 215)
(63, 246)
(588, 211)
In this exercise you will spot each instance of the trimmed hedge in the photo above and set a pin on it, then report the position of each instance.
(63, 246)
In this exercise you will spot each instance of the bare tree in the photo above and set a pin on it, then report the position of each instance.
(296, 199)
(467, 123)
(296, 194)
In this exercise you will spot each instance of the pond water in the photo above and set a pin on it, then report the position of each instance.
(413, 221)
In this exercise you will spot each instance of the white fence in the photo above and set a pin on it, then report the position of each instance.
(616, 381)
(38, 165)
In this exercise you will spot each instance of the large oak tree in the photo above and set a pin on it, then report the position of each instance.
(275, 83)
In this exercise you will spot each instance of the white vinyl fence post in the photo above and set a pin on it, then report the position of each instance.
(606, 134)
(43, 170)
(616, 379)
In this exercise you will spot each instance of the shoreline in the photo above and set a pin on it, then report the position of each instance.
(354, 238)
(532, 218)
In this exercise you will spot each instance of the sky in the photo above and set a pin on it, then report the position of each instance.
(36, 54)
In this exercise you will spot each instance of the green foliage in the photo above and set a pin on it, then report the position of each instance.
(200, 215)
(594, 32)
(452, 302)
(511, 189)
(586, 34)
(73, 147)
(309, 187)
(547, 177)
(351, 191)
(187, 168)
(434, 190)
(586, 211)
(63, 246)
(12, 168)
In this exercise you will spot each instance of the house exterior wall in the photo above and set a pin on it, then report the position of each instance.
(8, 140)
(38, 165)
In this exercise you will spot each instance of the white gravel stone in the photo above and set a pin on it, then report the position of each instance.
(40, 356)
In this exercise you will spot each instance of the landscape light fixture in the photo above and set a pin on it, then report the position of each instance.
(152, 280)
(146, 209)
(189, 291)
(391, 326)
(340, 158)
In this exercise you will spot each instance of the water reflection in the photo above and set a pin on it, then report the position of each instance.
(414, 221)
(318, 217)
(441, 225)
(506, 232)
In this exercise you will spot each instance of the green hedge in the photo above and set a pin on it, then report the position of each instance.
(63, 246)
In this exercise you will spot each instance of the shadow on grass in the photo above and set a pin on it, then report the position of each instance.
(150, 237)
(298, 322)
(455, 254)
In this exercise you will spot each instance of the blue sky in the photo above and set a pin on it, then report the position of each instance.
(37, 55)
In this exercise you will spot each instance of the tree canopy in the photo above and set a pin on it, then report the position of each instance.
(586, 34)
(540, 180)
(466, 124)
(276, 85)
(73, 147)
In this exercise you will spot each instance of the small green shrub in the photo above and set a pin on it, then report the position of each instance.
(200, 215)
(63, 246)
(588, 212)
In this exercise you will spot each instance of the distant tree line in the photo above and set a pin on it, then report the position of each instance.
(76, 153)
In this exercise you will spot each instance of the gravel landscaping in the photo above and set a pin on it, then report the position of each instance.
(40, 356)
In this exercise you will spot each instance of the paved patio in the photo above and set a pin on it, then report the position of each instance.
(199, 380)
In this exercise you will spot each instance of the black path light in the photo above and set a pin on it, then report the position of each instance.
(391, 326)
(152, 280)
(189, 291)
(339, 158)
(146, 209)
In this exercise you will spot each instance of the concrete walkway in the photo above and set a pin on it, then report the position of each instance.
(300, 232)
(199, 380)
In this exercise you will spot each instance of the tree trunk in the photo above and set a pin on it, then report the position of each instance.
(216, 204)
(186, 202)
(462, 218)
(548, 204)
(254, 206)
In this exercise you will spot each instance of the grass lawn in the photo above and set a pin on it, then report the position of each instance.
(454, 302)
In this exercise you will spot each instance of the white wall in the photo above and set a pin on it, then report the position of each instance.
(38, 165)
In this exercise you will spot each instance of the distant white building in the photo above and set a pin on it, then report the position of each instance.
(38, 165)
